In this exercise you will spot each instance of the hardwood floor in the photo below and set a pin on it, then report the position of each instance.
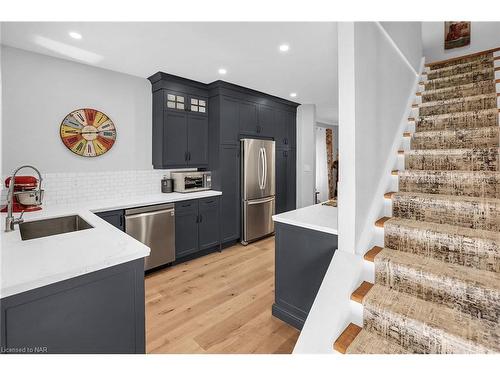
(219, 303)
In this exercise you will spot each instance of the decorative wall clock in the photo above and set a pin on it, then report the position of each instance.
(88, 132)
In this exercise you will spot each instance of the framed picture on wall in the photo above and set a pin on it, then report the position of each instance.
(456, 34)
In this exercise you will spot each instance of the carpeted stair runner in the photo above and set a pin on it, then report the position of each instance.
(437, 279)
(481, 184)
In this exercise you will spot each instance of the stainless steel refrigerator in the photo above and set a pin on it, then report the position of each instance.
(257, 189)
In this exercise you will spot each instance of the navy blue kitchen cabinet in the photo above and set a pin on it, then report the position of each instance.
(180, 122)
(197, 226)
(115, 217)
(186, 228)
(209, 223)
(302, 257)
(100, 312)
(211, 139)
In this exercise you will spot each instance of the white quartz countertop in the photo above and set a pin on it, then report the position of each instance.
(317, 217)
(26, 265)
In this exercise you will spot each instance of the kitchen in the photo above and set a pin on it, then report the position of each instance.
(187, 172)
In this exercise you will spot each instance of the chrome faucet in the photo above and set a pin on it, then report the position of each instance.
(10, 221)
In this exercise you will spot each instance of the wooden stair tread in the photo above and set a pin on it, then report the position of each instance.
(497, 80)
(380, 222)
(410, 119)
(401, 152)
(414, 105)
(389, 194)
(418, 93)
(372, 253)
(406, 134)
(497, 69)
(496, 58)
(361, 292)
(346, 338)
(394, 172)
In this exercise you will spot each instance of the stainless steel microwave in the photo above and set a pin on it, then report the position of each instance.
(185, 182)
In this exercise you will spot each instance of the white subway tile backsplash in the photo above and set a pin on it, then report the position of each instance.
(68, 188)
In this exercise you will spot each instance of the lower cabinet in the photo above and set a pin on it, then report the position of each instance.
(197, 225)
(115, 218)
(302, 257)
(100, 312)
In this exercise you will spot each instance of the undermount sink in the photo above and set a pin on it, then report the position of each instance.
(50, 227)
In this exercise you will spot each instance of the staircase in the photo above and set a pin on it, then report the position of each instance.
(437, 278)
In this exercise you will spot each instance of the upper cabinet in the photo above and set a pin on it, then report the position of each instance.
(248, 118)
(285, 129)
(180, 123)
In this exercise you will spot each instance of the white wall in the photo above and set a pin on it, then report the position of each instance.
(306, 154)
(39, 91)
(408, 38)
(484, 35)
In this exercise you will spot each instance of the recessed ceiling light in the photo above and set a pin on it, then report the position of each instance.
(75, 35)
(222, 71)
(293, 94)
(284, 47)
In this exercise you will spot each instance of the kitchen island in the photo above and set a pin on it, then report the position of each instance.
(77, 292)
(305, 242)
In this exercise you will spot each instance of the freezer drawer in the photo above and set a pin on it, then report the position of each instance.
(257, 219)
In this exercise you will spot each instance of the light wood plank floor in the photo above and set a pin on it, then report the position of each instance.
(219, 303)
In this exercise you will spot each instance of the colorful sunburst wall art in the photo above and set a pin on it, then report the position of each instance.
(88, 132)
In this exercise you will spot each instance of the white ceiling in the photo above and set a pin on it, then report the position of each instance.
(249, 52)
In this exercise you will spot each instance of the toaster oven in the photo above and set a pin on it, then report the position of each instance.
(185, 182)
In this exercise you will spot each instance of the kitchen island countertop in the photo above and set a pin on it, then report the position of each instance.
(316, 217)
(26, 265)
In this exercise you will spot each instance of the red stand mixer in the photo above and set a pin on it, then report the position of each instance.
(27, 194)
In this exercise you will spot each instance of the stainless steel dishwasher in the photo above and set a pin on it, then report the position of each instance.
(154, 226)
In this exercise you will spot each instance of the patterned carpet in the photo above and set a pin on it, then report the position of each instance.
(437, 280)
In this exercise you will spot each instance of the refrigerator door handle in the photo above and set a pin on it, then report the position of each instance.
(260, 201)
(259, 166)
(264, 179)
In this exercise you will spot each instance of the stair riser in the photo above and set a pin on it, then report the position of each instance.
(450, 183)
(458, 121)
(415, 336)
(466, 297)
(460, 69)
(472, 89)
(453, 139)
(464, 60)
(476, 214)
(462, 79)
(454, 160)
(456, 248)
(462, 106)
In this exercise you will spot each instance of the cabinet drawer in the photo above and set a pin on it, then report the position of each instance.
(189, 205)
(208, 202)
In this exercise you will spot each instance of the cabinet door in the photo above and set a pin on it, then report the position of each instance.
(229, 121)
(115, 218)
(186, 228)
(248, 118)
(209, 222)
(174, 139)
(281, 181)
(197, 135)
(266, 121)
(280, 129)
(291, 129)
(230, 201)
(291, 180)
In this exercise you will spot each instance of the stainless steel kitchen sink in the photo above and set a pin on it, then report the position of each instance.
(51, 227)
